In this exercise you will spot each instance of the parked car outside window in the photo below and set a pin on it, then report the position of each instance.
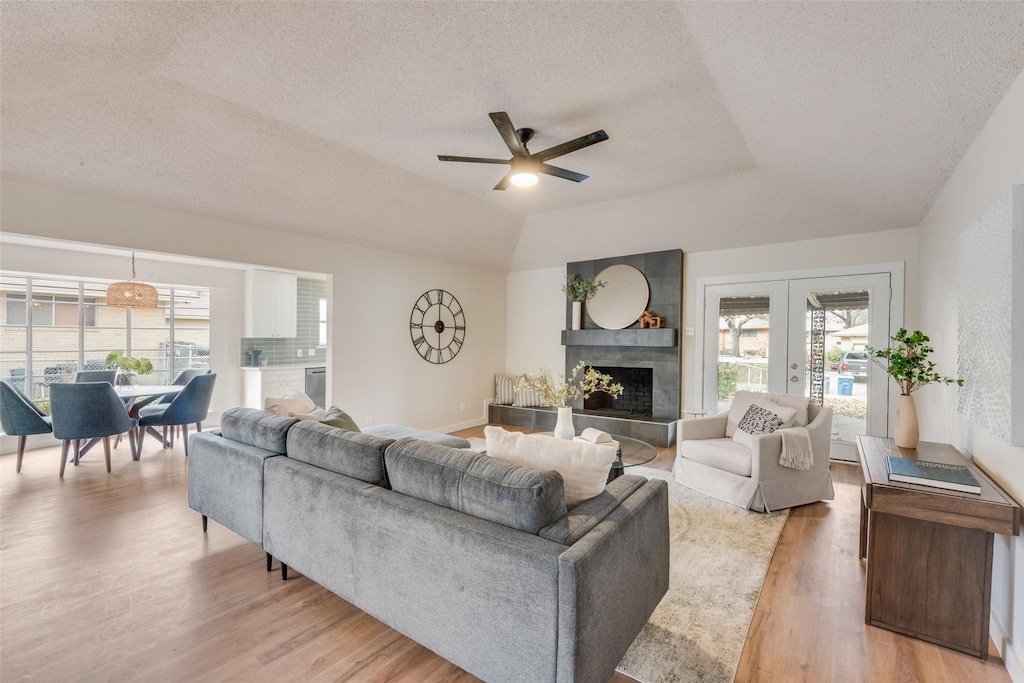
(854, 363)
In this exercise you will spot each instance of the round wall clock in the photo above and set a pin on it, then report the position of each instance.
(437, 326)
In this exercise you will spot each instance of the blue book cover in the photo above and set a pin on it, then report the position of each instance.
(937, 474)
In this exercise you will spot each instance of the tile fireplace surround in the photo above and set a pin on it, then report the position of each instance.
(658, 350)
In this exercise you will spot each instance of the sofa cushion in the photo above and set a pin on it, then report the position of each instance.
(356, 455)
(518, 497)
(336, 417)
(258, 428)
(584, 466)
(399, 432)
(762, 417)
(722, 454)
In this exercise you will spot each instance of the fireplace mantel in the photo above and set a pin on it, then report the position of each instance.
(662, 337)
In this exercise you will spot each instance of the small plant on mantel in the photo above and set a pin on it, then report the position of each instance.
(582, 289)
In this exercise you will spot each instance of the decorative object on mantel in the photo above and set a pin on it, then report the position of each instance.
(131, 294)
(579, 290)
(649, 320)
(562, 393)
(129, 367)
(625, 296)
(990, 318)
(907, 363)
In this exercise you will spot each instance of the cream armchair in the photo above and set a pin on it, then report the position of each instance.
(715, 465)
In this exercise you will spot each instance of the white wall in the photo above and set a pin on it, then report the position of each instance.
(994, 161)
(376, 371)
(536, 317)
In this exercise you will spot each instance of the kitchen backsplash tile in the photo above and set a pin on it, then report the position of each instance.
(279, 351)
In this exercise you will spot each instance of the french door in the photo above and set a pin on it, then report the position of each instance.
(802, 336)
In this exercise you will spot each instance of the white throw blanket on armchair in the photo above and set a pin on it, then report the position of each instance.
(796, 448)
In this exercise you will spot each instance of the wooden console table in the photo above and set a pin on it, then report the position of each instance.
(929, 550)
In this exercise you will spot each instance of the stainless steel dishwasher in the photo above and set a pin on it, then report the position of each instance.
(316, 385)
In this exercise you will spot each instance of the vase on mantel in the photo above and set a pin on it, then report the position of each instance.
(907, 432)
(577, 315)
(563, 427)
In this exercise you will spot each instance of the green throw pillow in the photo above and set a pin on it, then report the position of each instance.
(336, 417)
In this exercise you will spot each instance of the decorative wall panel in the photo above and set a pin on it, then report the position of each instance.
(990, 320)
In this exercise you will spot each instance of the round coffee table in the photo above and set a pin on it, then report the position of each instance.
(632, 452)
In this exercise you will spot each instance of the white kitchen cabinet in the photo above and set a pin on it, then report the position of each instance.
(259, 383)
(270, 304)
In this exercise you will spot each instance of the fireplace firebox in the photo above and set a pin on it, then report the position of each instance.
(637, 396)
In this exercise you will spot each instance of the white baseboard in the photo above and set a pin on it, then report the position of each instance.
(476, 422)
(1013, 659)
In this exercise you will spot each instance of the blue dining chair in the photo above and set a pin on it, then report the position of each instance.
(107, 376)
(20, 417)
(190, 406)
(182, 379)
(88, 410)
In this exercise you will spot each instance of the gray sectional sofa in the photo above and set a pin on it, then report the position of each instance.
(474, 558)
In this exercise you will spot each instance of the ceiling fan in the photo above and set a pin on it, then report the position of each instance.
(526, 166)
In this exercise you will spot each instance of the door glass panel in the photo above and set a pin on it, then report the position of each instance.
(836, 362)
(743, 346)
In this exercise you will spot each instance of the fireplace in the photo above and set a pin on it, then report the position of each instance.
(637, 396)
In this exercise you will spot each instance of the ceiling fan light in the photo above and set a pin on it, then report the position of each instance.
(524, 179)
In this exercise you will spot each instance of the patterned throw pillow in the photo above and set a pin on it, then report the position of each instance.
(527, 398)
(762, 417)
(505, 390)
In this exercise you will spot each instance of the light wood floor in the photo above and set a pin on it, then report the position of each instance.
(110, 578)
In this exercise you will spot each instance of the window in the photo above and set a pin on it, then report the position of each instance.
(323, 323)
(748, 333)
(71, 328)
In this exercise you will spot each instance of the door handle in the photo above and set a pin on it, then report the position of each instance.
(793, 366)
(794, 378)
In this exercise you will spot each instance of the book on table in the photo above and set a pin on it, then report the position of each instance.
(937, 474)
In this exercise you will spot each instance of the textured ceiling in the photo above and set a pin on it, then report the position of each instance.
(326, 118)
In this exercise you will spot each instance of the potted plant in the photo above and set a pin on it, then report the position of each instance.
(906, 361)
(579, 290)
(562, 393)
(129, 366)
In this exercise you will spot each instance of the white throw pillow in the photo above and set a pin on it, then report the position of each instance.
(741, 400)
(762, 417)
(505, 389)
(315, 414)
(293, 403)
(800, 403)
(584, 466)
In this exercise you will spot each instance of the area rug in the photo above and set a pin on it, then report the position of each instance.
(719, 557)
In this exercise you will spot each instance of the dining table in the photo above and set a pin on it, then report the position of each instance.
(136, 397)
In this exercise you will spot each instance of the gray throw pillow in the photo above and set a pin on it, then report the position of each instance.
(336, 417)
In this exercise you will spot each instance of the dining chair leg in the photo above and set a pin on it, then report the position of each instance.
(184, 437)
(140, 438)
(64, 456)
(117, 441)
(165, 436)
(131, 442)
(21, 450)
(199, 427)
(78, 448)
(106, 451)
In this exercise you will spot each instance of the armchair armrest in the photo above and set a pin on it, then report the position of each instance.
(767, 448)
(702, 428)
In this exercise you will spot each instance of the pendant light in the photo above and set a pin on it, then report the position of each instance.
(131, 294)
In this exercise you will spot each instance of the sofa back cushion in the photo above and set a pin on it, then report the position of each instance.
(518, 497)
(354, 454)
(259, 428)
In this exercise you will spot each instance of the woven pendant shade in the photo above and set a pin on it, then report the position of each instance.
(131, 294)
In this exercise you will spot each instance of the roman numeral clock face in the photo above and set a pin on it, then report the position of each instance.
(437, 326)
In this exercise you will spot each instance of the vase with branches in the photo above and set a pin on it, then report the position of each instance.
(580, 290)
(563, 392)
(906, 361)
(128, 365)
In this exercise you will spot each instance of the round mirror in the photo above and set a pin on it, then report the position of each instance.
(622, 299)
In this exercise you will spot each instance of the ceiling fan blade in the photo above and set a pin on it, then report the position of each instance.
(508, 133)
(571, 146)
(561, 173)
(475, 160)
(504, 182)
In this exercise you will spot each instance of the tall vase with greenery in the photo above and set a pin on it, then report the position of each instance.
(579, 290)
(563, 392)
(906, 361)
